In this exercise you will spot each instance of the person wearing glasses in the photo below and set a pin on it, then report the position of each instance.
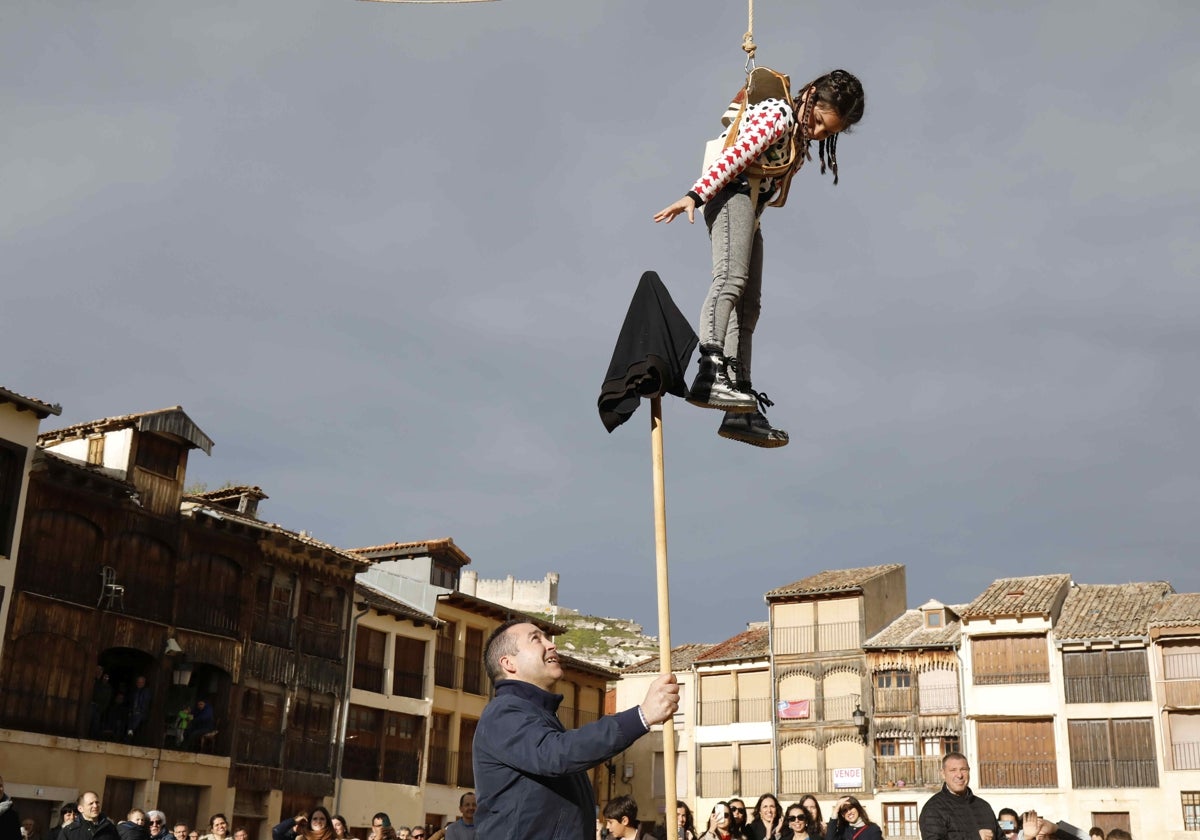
(531, 772)
(858, 825)
(157, 821)
(795, 823)
(418, 833)
(720, 823)
(738, 810)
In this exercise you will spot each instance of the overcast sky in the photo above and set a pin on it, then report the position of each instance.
(381, 254)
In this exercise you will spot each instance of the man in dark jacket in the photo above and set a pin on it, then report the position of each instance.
(10, 820)
(91, 825)
(954, 812)
(530, 772)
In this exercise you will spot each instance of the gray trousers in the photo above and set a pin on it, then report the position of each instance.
(731, 310)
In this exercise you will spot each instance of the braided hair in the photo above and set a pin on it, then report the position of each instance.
(843, 93)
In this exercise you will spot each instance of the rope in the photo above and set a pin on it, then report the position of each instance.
(748, 39)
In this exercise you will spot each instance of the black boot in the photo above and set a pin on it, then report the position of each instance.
(713, 389)
(753, 427)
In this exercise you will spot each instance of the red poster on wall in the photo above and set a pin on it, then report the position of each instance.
(793, 709)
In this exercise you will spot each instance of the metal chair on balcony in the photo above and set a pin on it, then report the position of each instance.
(110, 589)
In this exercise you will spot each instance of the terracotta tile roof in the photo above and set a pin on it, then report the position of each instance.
(1019, 596)
(834, 580)
(575, 663)
(231, 491)
(194, 507)
(682, 658)
(749, 644)
(441, 548)
(909, 631)
(116, 477)
(1182, 609)
(1094, 611)
(172, 420)
(23, 403)
(380, 601)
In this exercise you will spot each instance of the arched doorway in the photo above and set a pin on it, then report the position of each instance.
(132, 675)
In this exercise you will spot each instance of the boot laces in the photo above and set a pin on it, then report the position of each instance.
(764, 402)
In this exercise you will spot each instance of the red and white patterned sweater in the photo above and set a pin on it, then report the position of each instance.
(765, 133)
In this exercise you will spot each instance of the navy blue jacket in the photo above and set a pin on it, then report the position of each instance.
(531, 776)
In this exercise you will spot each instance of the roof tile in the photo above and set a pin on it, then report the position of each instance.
(834, 580)
(749, 644)
(909, 631)
(1182, 609)
(1094, 611)
(682, 658)
(1034, 595)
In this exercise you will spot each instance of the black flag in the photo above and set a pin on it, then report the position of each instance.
(651, 356)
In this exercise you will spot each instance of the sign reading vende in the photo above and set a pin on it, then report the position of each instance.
(847, 778)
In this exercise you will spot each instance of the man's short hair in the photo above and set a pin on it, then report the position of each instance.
(463, 798)
(1096, 831)
(500, 644)
(948, 757)
(1118, 834)
(622, 806)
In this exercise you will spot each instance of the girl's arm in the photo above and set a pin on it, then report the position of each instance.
(762, 126)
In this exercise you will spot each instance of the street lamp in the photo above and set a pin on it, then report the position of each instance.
(860, 721)
(182, 674)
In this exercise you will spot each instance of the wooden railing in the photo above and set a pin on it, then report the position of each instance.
(810, 638)
(744, 710)
(1035, 773)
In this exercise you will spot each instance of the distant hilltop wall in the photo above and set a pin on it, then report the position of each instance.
(526, 595)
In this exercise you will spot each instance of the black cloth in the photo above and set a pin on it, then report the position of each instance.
(652, 353)
(132, 831)
(531, 773)
(81, 829)
(10, 820)
(950, 817)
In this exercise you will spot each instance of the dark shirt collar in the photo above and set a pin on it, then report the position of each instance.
(530, 692)
(965, 796)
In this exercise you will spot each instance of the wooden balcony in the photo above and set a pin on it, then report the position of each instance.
(747, 784)
(271, 630)
(908, 771)
(1185, 755)
(254, 746)
(746, 710)
(320, 639)
(1041, 773)
(895, 700)
(310, 755)
(1180, 693)
(809, 638)
(216, 613)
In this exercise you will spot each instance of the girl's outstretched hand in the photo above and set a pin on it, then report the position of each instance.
(684, 205)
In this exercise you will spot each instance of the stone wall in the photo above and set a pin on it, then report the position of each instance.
(526, 595)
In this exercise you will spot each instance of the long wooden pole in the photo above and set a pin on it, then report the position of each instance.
(664, 602)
